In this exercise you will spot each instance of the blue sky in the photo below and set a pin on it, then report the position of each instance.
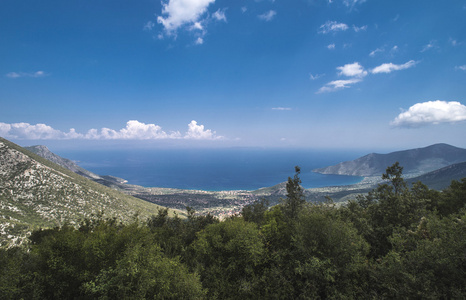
(360, 74)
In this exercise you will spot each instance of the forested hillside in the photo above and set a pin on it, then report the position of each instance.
(397, 242)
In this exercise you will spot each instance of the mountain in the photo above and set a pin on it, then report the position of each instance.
(35, 192)
(414, 161)
(441, 178)
(44, 152)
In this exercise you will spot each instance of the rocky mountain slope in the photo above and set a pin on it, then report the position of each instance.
(44, 152)
(414, 161)
(35, 192)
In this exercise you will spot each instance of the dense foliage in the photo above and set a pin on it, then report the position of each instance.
(397, 242)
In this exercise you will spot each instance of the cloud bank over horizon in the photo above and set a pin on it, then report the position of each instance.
(431, 112)
(134, 130)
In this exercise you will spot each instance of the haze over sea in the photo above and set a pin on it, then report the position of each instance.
(214, 169)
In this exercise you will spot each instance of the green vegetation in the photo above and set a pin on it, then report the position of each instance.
(397, 242)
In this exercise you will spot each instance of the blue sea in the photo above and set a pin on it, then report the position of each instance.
(214, 169)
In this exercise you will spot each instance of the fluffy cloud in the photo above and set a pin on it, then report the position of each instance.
(431, 112)
(332, 26)
(35, 132)
(197, 132)
(134, 130)
(26, 74)
(352, 70)
(331, 47)
(357, 73)
(389, 67)
(181, 12)
(268, 16)
(463, 67)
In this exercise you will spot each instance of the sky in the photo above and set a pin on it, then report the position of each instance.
(322, 74)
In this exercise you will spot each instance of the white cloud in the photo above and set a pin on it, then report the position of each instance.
(281, 108)
(357, 29)
(428, 46)
(338, 85)
(197, 26)
(352, 70)
(149, 25)
(331, 46)
(463, 67)
(315, 77)
(389, 67)
(34, 132)
(26, 74)
(199, 41)
(268, 16)
(244, 9)
(181, 12)
(332, 26)
(356, 73)
(219, 15)
(431, 112)
(373, 53)
(134, 130)
(197, 132)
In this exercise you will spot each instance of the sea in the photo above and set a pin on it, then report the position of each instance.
(214, 169)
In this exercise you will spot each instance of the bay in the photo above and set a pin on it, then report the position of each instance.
(214, 169)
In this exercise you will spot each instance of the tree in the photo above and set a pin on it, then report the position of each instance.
(294, 196)
(394, 174)
(427, 262)
(255, 212)
(226, 255)
(105, 259)
(329, 255)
